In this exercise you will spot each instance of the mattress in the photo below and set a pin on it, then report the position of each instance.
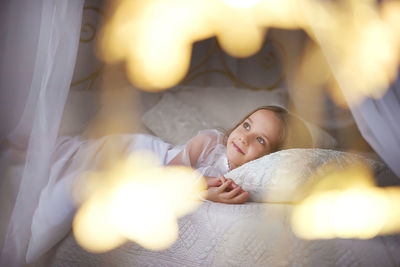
(251, 234)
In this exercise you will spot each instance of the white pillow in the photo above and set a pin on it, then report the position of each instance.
(279, 176)
(185, 110)
(174, 121)
(228, 105)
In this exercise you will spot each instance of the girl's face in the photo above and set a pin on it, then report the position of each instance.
(255, 137)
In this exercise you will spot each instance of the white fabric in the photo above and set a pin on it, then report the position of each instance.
(74, 155)
(174, 121)
(280, 176)
(227, 105)
(39, 51)
(212, 160)
(252, 234)
(262, 177)
(379, 123)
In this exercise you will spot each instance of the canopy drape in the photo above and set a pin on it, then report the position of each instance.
(376, 118)
(39, 49)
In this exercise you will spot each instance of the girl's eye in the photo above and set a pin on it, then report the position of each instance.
(260, 140)
(246, 125)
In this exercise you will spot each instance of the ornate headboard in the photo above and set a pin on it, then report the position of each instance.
(268, 69)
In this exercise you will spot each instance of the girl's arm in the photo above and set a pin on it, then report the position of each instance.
(192, 151)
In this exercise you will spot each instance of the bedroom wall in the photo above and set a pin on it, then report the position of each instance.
(83, 100)
(88, 67)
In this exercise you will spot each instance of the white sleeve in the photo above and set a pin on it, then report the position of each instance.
(197, 149)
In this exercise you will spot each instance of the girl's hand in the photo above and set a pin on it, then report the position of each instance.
(228, 192)
(218, 181)
(213, 181)
(232, 184)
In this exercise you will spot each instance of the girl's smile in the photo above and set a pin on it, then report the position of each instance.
(237, 148)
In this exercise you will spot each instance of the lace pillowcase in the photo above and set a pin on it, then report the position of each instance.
(280, 176)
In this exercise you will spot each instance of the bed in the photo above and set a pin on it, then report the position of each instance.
(257, 233)
(239, 235)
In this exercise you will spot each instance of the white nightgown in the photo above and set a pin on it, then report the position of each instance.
(74, 155)
(77, 154)
(212, 160)
(53, 217)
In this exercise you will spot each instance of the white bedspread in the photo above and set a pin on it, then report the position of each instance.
(252, 234)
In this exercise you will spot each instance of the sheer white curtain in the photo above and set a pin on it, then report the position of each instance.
(38, 52)
(379, 123)
(377, 119)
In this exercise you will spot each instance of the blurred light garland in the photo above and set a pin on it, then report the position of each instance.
(135, 199)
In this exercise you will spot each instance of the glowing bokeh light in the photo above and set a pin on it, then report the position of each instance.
(241, 3)
(286, 14)
(155, 37)
(92, 229)
(140, 212)
(346, 205)
(356, 39)
(137, 199)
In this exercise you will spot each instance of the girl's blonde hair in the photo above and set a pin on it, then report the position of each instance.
(295, 136)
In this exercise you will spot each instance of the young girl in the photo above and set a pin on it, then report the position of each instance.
(261, 132)
(210, 152)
